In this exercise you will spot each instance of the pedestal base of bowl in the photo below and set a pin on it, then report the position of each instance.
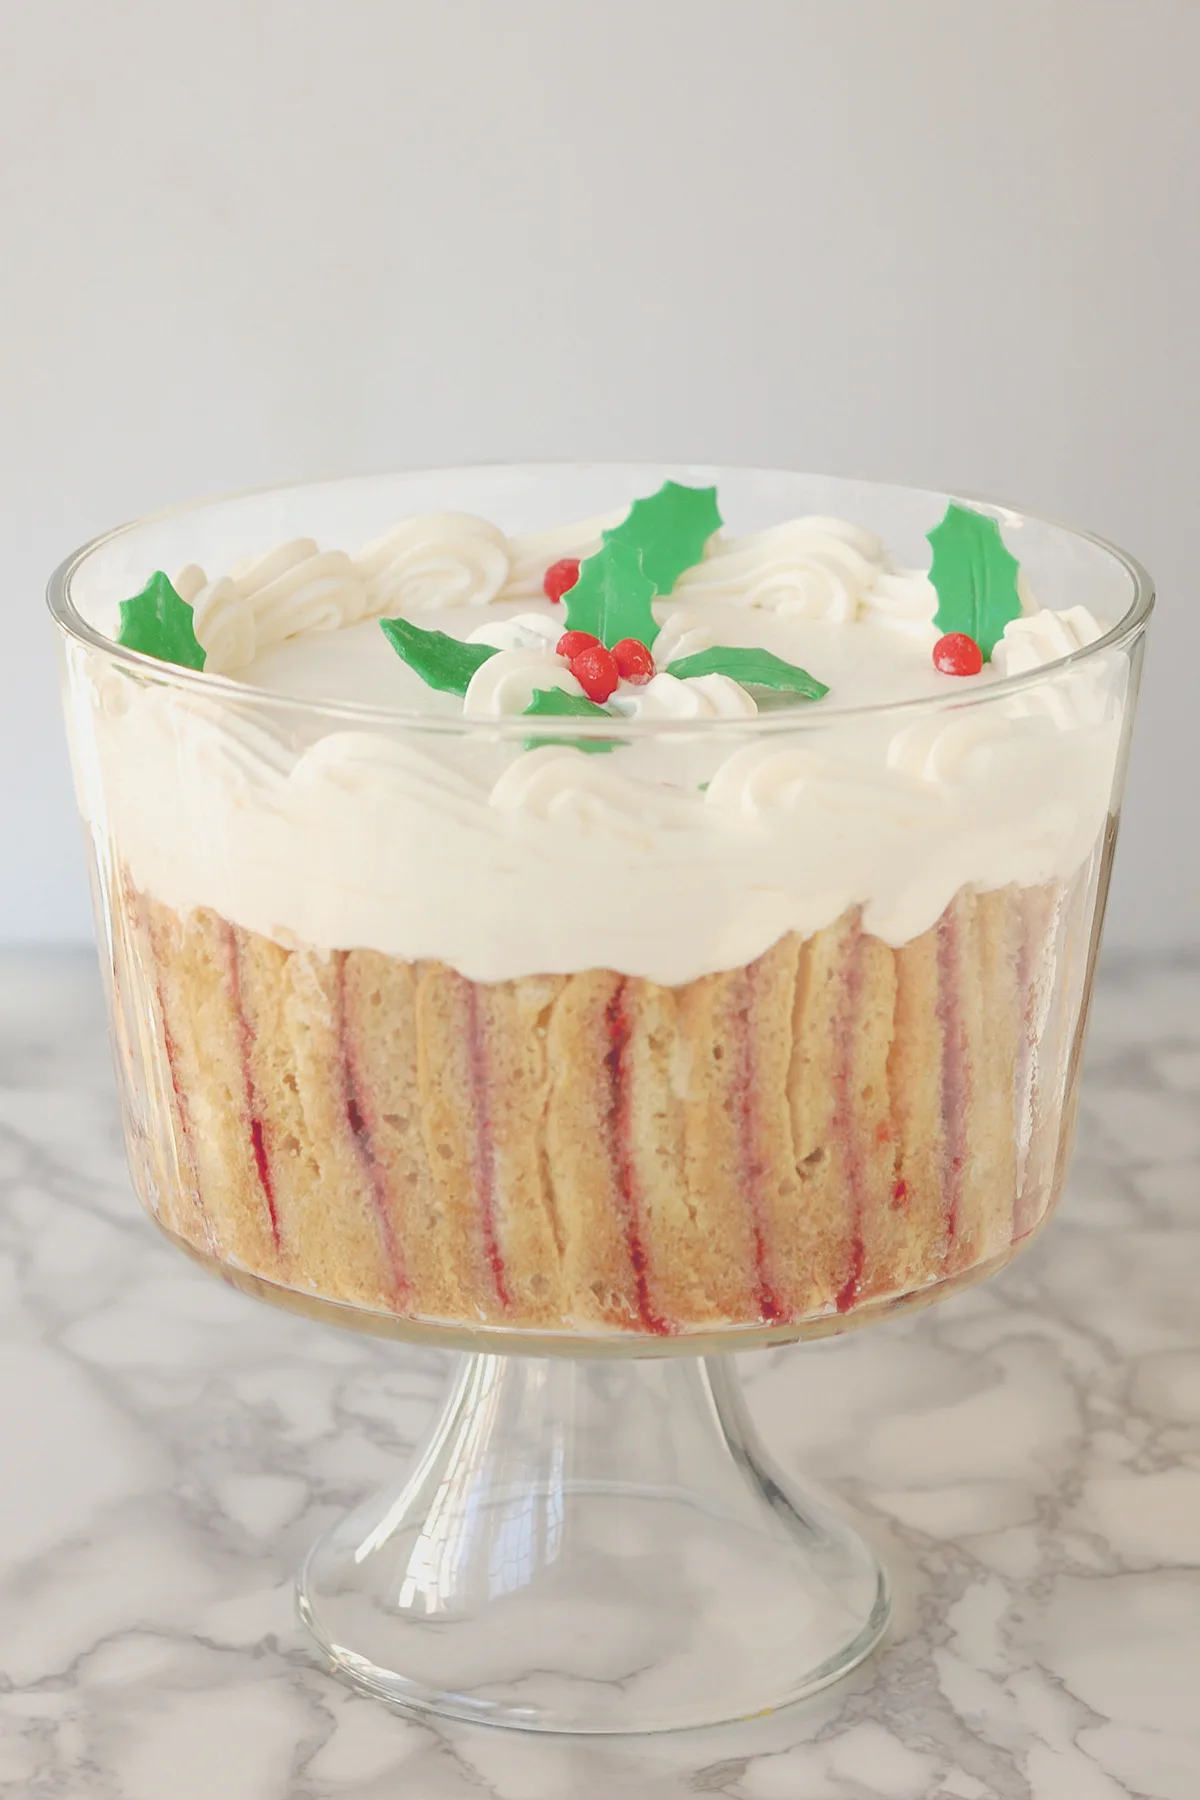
(593, 1547)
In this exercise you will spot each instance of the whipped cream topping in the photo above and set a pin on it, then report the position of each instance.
(675, 854)
(1039, 638)
(810, 569)
(291, 590)
(667, 696)
(524, 631)
(442, 559)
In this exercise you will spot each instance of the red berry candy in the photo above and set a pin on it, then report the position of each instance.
(595, 671)
(957, 654)
(572, 642)
(560, 578)
(634, 662)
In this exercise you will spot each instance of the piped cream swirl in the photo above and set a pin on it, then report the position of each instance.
(506, 683)
(439, 559)
(294, 588)
(809, 569)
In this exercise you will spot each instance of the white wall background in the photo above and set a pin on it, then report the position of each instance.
(946, 241)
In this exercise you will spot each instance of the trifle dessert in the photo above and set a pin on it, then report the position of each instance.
(657, 922)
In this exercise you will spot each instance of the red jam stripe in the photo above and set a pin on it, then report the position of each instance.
(182, 1112)
(485, 1150)
(245, 1042)
(845, 1133)
(264, 1172)
(849, 1292)
(751, 1162)
(360, 1132)
(619, 1127)
(956, 1067)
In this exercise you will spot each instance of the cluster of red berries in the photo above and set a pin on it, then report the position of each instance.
(957, 654)
(596, 669)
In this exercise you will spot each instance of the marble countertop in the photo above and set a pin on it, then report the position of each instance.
(1026, 1457)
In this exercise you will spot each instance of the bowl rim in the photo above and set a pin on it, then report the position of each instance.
(780, 721)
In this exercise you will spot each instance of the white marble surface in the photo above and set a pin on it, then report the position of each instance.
(1027, 1457)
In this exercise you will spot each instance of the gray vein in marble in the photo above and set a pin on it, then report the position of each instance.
(1026, 1457)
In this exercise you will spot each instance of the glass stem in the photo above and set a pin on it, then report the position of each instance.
(593, 1546)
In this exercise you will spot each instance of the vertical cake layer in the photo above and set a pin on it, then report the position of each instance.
(836, 1122)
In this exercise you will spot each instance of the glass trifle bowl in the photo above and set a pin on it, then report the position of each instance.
(599, 1034)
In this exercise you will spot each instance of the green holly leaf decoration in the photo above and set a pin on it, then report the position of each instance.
(612, 597)
(644, 555)
(553, 703)
(670, 528)
(753, 668)
(158, 622)
(975, 575)
(556, 703)
(442, 662)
